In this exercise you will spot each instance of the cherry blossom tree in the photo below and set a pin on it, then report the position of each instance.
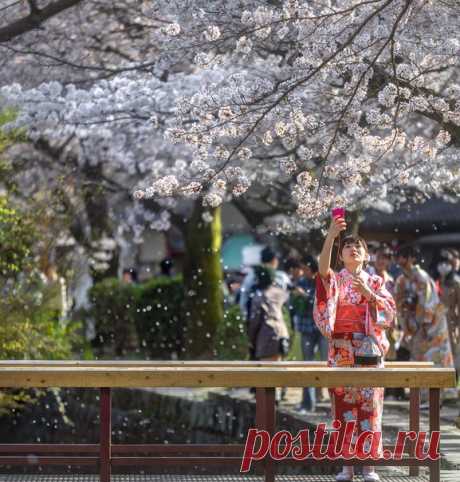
(316, 104)
(365, 113)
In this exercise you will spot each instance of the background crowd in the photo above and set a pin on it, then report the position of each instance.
(427, 327)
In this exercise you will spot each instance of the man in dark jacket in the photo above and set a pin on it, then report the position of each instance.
(312, 341)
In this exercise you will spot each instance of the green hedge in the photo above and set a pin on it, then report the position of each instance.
(158, 316)
(138, 319)
(146, 321)
(113, 311)
(231, 338)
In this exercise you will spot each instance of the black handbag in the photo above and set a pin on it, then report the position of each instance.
(284, 346)
(369, 351)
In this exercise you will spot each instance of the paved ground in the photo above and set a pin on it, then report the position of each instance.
(202, 478)
(395, 418)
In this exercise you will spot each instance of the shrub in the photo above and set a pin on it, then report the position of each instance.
(231, 339)
(158, 316)
(142, 317)
(113, 306)
(28, 328)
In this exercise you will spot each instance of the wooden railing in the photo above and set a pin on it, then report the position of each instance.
(265, 376)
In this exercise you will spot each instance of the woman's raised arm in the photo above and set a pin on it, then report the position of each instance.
(337, 225)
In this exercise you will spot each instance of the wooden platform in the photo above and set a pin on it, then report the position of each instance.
(107, 375)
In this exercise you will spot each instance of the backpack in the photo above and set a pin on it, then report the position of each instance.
(264, 277)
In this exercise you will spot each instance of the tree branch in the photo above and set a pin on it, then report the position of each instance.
(35, 18)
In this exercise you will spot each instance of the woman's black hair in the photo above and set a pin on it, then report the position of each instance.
(385, 250)
(265, 276)
(350, 238)
(166, 266)
(311, 262)
(292, 263)
(267, 255)
(408, 251)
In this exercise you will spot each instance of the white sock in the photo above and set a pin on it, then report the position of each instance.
(348, 469)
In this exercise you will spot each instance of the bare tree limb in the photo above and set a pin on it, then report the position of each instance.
(36, 18)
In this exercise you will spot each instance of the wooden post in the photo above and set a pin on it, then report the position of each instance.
(414, 424)
(435, 465)
(266, 420)
(105, 440)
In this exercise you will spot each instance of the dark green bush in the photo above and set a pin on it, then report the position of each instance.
(147, 318)
(158, 316)
(231, 338)
(143, 318)
(113, 309)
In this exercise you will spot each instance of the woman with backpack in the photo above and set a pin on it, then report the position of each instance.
(267, 330)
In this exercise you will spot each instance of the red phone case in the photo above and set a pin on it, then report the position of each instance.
(338, 212)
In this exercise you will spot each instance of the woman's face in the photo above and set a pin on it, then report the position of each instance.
(353, 253)
(455, 264)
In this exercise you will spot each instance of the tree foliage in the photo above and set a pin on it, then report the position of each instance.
(29, 327)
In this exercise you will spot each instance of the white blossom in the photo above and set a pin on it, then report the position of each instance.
(212, 33)
(316, 103)
(172, 29)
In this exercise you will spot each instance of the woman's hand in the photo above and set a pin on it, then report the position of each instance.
(337, 225)
(360, 285)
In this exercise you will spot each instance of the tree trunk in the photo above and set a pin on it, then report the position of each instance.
(355, 218)
(203, 280)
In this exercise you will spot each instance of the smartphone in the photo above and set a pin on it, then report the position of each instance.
(338, 212)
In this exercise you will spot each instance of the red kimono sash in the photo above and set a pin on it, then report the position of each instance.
(350, 319)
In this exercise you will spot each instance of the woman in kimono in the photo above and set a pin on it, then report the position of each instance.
(349, 305)
(421, 310)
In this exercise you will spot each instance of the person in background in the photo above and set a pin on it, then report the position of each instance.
(55, 292)
(233, 284)
(129, 276)
(454, 260)
(269, 259)
(166, 267)
(372, 249)
(267, 331)
(448, 268)
(453, 308)
(421, 312)
(383, 259)
(312, 341)
(394, 269)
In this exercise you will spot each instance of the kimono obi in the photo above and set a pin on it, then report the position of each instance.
(350, 318)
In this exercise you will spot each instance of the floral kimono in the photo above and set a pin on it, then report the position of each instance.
(363, 405)
(424, 317)
(394, 333)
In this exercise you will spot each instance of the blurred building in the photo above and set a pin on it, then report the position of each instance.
(432, 225)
